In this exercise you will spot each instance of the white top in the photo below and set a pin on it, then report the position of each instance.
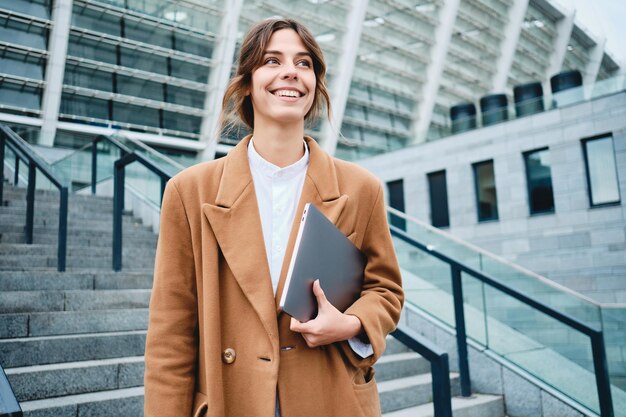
(278, 192)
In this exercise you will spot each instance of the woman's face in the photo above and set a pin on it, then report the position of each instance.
(283, 87)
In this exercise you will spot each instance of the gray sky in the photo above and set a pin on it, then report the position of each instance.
(603, 18)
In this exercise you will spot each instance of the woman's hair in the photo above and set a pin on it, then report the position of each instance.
(237, 103)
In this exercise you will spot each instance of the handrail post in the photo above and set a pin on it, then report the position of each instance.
(163, 184)
(62, 241)
(94, 166)
(461, 336)
(16, 173)
(30, 200)
(118, 207)
(440, 370)
(2, 143)
(602, 374)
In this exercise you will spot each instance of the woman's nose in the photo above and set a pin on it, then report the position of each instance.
(289, 72)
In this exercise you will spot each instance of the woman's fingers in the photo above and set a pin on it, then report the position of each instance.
(319, 294)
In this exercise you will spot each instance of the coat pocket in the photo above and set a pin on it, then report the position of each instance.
(366, 393)
(200, 405)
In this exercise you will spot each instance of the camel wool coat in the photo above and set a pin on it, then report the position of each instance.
(217, 344)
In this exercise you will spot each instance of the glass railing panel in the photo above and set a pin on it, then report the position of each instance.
(474, 306)
(170, 166)
(614, 326)
(144, 182)
(543, 346)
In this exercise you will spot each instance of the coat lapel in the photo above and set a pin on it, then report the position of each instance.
(236, 223)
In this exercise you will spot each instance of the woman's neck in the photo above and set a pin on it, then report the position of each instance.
(279, 145)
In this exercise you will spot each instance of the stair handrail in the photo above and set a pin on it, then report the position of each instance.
(36, 162)
(595, 335)
(9, 407)
(119, 179)
(94, 156)
(439, 367)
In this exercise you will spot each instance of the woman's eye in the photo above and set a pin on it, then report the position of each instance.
(271, 61)
(305, 63)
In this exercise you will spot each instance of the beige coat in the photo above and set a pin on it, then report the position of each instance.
(212, 300)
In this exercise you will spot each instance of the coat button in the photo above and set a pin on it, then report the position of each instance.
(229, 355)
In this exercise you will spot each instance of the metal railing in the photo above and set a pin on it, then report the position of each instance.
(439, 368)
(456, 268)
(118, 197)
(24, 152)
(9, 407)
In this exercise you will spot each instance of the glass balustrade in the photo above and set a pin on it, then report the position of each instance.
(541, 345)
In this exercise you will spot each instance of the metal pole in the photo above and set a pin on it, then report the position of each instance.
(163, 184)
(440, 371)
(2, 140)
(30, 200)
(602, 374)
(62, 241)
(118, 207)
(16, 174)
(94, 166)
(461, 336)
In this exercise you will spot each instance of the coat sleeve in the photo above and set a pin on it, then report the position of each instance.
(171, 345)
(382, 296)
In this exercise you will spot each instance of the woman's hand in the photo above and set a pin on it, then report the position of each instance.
(329, 326)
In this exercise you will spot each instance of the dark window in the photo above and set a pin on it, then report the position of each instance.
(73, 104)
(602, 180)
(139, 88)
(139, 115)
(190, 71)
(22, 65)
(438, 199)
(14, 32)
(20, 96)
(96, 21)
(185, 96)
(91, 49)
(88, 78)
(146, 61)
(486, 196)
(149, 34)
(181, 122)
(539, 180)
(193, 45)
(396, 201)
(37, 8)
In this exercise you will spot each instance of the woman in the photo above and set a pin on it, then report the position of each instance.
(217, 345)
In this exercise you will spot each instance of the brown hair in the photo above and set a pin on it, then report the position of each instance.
(237, 103)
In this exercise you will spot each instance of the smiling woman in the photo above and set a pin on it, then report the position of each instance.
(217, 345)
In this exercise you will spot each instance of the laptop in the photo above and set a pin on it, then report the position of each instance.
(323, 252)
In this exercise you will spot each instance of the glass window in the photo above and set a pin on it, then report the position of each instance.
(486, 196)
(139, 115)
(88, 78)
(190, 71)
(13, 32)
(193, 45)
(22, 65)
(185, 96)
(182, 122)
(96, 21)
(602, 179)
(396, 201)
(144, 61)
(139, 88)
(539, 180)
(73, 104)
(438, 192)
(37, 8)
(149, 34)
(92, 49)
(21, 96)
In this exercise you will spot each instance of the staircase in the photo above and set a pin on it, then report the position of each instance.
(72, 343)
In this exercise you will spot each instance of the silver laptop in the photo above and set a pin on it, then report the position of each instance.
(321, 252)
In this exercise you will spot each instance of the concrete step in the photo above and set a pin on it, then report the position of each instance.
(52, 221)
(394, 346)
(126, 402)
(38, 301)
(27, 351)
(16, 262)
(95, 206)
(99, 232)
(33, 280)
(50, 237)
(400, 365)
(55, 380)
(17, 249)
(72, 322)
(410, 391)
(477, 405)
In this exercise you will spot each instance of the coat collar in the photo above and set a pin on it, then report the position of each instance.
(235, 221)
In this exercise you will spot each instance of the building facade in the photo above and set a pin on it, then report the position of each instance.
(156, 70)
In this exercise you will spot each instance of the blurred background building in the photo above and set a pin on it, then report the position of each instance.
(156, 70)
